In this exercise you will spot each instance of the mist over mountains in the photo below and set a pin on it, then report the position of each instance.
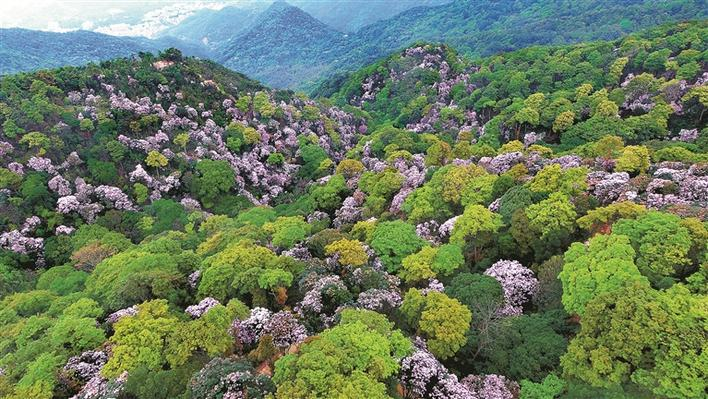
(298, 44)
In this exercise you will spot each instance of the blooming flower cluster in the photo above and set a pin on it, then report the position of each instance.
(59, 185)
(379, 299)
(491, 386)
(501, 163)
(282, 327)
(313, 302)
(41, 165)
(250, 330)
(19, 241)
(196, 311)
(225, 379)
(423, 376)
(115, 197)
(86, 366)
(100, 388)
(119, 314)
(608, 187)
(518, 283)
(429, 231)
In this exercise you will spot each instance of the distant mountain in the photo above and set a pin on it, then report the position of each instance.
(284, 47)
(484, 27)
(287, 47)
(350, 16)
(214, 28)
(27, 50)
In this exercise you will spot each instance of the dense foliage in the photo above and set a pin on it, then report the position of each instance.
(528, 225)
(298, 44)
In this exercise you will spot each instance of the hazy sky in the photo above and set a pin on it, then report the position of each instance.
(146, 17)
(108, 16)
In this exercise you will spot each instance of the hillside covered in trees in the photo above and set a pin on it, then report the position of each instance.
(529, 225)
(296, 45)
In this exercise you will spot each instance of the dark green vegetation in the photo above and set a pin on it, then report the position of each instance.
(282, 45)
(473, 27)
(526, 225)
(285, 46)
(28, 50)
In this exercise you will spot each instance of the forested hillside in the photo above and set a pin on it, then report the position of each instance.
(350, 16)
(282, 46)
(22, 49)
(290, 48)
(530, 224)
(484, 27)
(28, 50)
(286, 46)
(214, 28)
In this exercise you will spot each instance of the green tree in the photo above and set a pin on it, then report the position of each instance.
(475, 229)
(563, 121)
(553, 178)
(262, 105)
(553, 215)
(141, 340)
(156, 160)
(476, 291)
(393, 241)
(655, 339)
(181, 140)
(549, 388)
(662, 244)
(479, 190)
(351, 360)
(103, 172)
(62, 279)
(524, 347)
(237, 270)
(616, 69)
(656, 61)
(431, 262)
(679, 366)
(601, 219)
(442, 320)
(134, 276)
(76, 334)
(605, 264)
(287, 231)
(36, 140)
(350, 252)
(634, 159)
(215, 178)
(209, 333)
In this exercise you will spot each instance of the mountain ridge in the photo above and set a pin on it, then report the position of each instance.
(302, 52)
(291, 50)
(440, 227)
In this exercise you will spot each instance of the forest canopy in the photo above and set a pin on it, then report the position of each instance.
(528, 225)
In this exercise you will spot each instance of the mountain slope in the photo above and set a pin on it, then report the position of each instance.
(285, 47)
(635, 87)
(350, 16)
(25, 50)
(483, 27)
(172, 229)
(214, 27)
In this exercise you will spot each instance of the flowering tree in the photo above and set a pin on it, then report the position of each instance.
(518, 282)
